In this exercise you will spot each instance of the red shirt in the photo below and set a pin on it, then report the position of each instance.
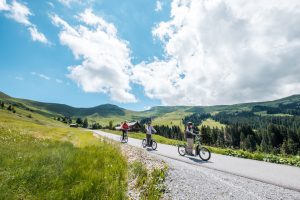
(125, 126)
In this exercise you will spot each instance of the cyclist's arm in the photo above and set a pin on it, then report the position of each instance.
(154, 130)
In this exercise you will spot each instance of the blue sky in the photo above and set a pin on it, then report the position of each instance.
(138, 54)
(20, 56)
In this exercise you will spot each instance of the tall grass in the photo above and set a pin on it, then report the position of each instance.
(40, 162)
(150, 182)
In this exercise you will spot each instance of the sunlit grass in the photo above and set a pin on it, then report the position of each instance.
(139, 135)
(46, 162)
(212, 123)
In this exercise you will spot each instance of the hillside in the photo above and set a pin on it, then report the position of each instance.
(161, 114)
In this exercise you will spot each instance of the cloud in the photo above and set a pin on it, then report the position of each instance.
(3, 5)
(19, 78)
(106, 63)
(69, 2)
(20, 13)
(41, 76)
(158, 6)
(51, 4)
(36, 35)
(220, 52)
(58, 80)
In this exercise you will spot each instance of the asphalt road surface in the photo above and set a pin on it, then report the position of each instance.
(244, 176)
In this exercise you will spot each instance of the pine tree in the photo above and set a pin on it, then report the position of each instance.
(220, 139)
(2, 105)
(79, 121)
(85, 123)
(243, 141)
(10, 107)
(284, 147)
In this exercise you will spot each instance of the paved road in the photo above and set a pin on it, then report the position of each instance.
(280, 175)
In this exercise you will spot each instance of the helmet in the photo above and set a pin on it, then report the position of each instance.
(190, 123)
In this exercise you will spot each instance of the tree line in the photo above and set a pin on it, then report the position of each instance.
(245, 130)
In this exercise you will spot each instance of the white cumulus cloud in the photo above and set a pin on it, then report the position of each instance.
(224, 51)
(20, 13)
(43, 76)
(36, 35)
(158, 6)
(3, 5)
(106, 63)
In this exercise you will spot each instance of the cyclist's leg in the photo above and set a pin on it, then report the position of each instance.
(148, 139)
(123, 134)
(190, 144)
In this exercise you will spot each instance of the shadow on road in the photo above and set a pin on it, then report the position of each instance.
(150, 149)
(198, 160)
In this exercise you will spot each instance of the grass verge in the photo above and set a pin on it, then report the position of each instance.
(149, 182)
(280, 159)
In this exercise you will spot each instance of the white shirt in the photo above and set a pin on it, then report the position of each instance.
(150, 129)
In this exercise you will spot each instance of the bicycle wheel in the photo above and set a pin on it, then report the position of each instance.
(154, 145)
(204, 153)
(126, 139)
(144, 143)
(181, 150)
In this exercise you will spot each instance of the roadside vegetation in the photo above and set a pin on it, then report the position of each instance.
(150, 183)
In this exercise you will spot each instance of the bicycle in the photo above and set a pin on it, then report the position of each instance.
(203, 152)
(153, 144)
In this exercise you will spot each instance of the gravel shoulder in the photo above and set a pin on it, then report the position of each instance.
(185, 181)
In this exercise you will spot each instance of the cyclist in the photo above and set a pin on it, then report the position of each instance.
(189, 134)
(124, 128)
(149, 131)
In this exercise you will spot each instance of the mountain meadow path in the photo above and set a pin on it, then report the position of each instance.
(222, 177)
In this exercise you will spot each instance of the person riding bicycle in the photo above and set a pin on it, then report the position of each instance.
(189, 134)
(124, 128)
(149, 131)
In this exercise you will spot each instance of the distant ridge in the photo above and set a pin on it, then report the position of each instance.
(3, 95)
(111, 111)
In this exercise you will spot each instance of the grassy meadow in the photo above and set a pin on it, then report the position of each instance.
(44, 159)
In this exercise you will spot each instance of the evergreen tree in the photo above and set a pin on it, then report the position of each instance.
(9, 108)
(284, 147)
(243, 141)
(79, 121)
(2, 105)
(85, 123)
(110, 125)
(220, 139)
(265, 147)
(96, 126)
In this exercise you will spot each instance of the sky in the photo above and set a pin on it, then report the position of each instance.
(138, 54)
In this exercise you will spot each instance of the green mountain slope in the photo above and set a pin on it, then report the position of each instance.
(159, 113)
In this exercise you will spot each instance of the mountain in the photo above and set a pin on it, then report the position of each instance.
(288, 105)
(4, 96)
